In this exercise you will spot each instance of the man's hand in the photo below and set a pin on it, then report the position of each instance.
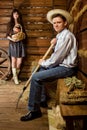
(40, 61)
(53, 41)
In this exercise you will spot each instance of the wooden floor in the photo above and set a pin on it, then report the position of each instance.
(10, 116)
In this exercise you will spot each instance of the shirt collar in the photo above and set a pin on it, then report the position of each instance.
(62, 33)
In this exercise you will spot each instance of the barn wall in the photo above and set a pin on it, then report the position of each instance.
(38, 29)
(5, 11)
(78, 9)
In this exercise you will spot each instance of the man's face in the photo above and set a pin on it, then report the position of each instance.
(59, 24)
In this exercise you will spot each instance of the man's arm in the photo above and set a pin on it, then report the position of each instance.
(58, 56)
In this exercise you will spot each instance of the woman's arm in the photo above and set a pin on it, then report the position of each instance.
(9, 38)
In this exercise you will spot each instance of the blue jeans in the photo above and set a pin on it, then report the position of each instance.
(41, 77)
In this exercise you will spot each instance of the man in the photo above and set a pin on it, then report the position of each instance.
(62, 62)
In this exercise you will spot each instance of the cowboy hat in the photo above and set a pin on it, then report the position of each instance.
(59, 11)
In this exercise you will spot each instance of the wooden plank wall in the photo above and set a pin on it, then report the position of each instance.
(78, 8)
(82, 38)
(38, 29)
(5, 11)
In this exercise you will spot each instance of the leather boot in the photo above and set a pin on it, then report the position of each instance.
(15, 77)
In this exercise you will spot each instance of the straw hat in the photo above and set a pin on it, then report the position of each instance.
(59, 11)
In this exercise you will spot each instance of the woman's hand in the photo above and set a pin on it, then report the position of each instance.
(9, 38)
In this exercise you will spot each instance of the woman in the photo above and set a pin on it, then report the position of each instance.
(16, 48)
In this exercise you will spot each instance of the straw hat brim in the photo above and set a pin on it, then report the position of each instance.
(64, 13)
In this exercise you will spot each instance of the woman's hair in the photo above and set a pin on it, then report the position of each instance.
(19, 18)
(12, 22)
(59, 15)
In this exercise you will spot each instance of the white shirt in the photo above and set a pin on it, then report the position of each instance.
(65, 51)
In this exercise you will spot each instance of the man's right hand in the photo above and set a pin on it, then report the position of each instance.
(53, 41)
